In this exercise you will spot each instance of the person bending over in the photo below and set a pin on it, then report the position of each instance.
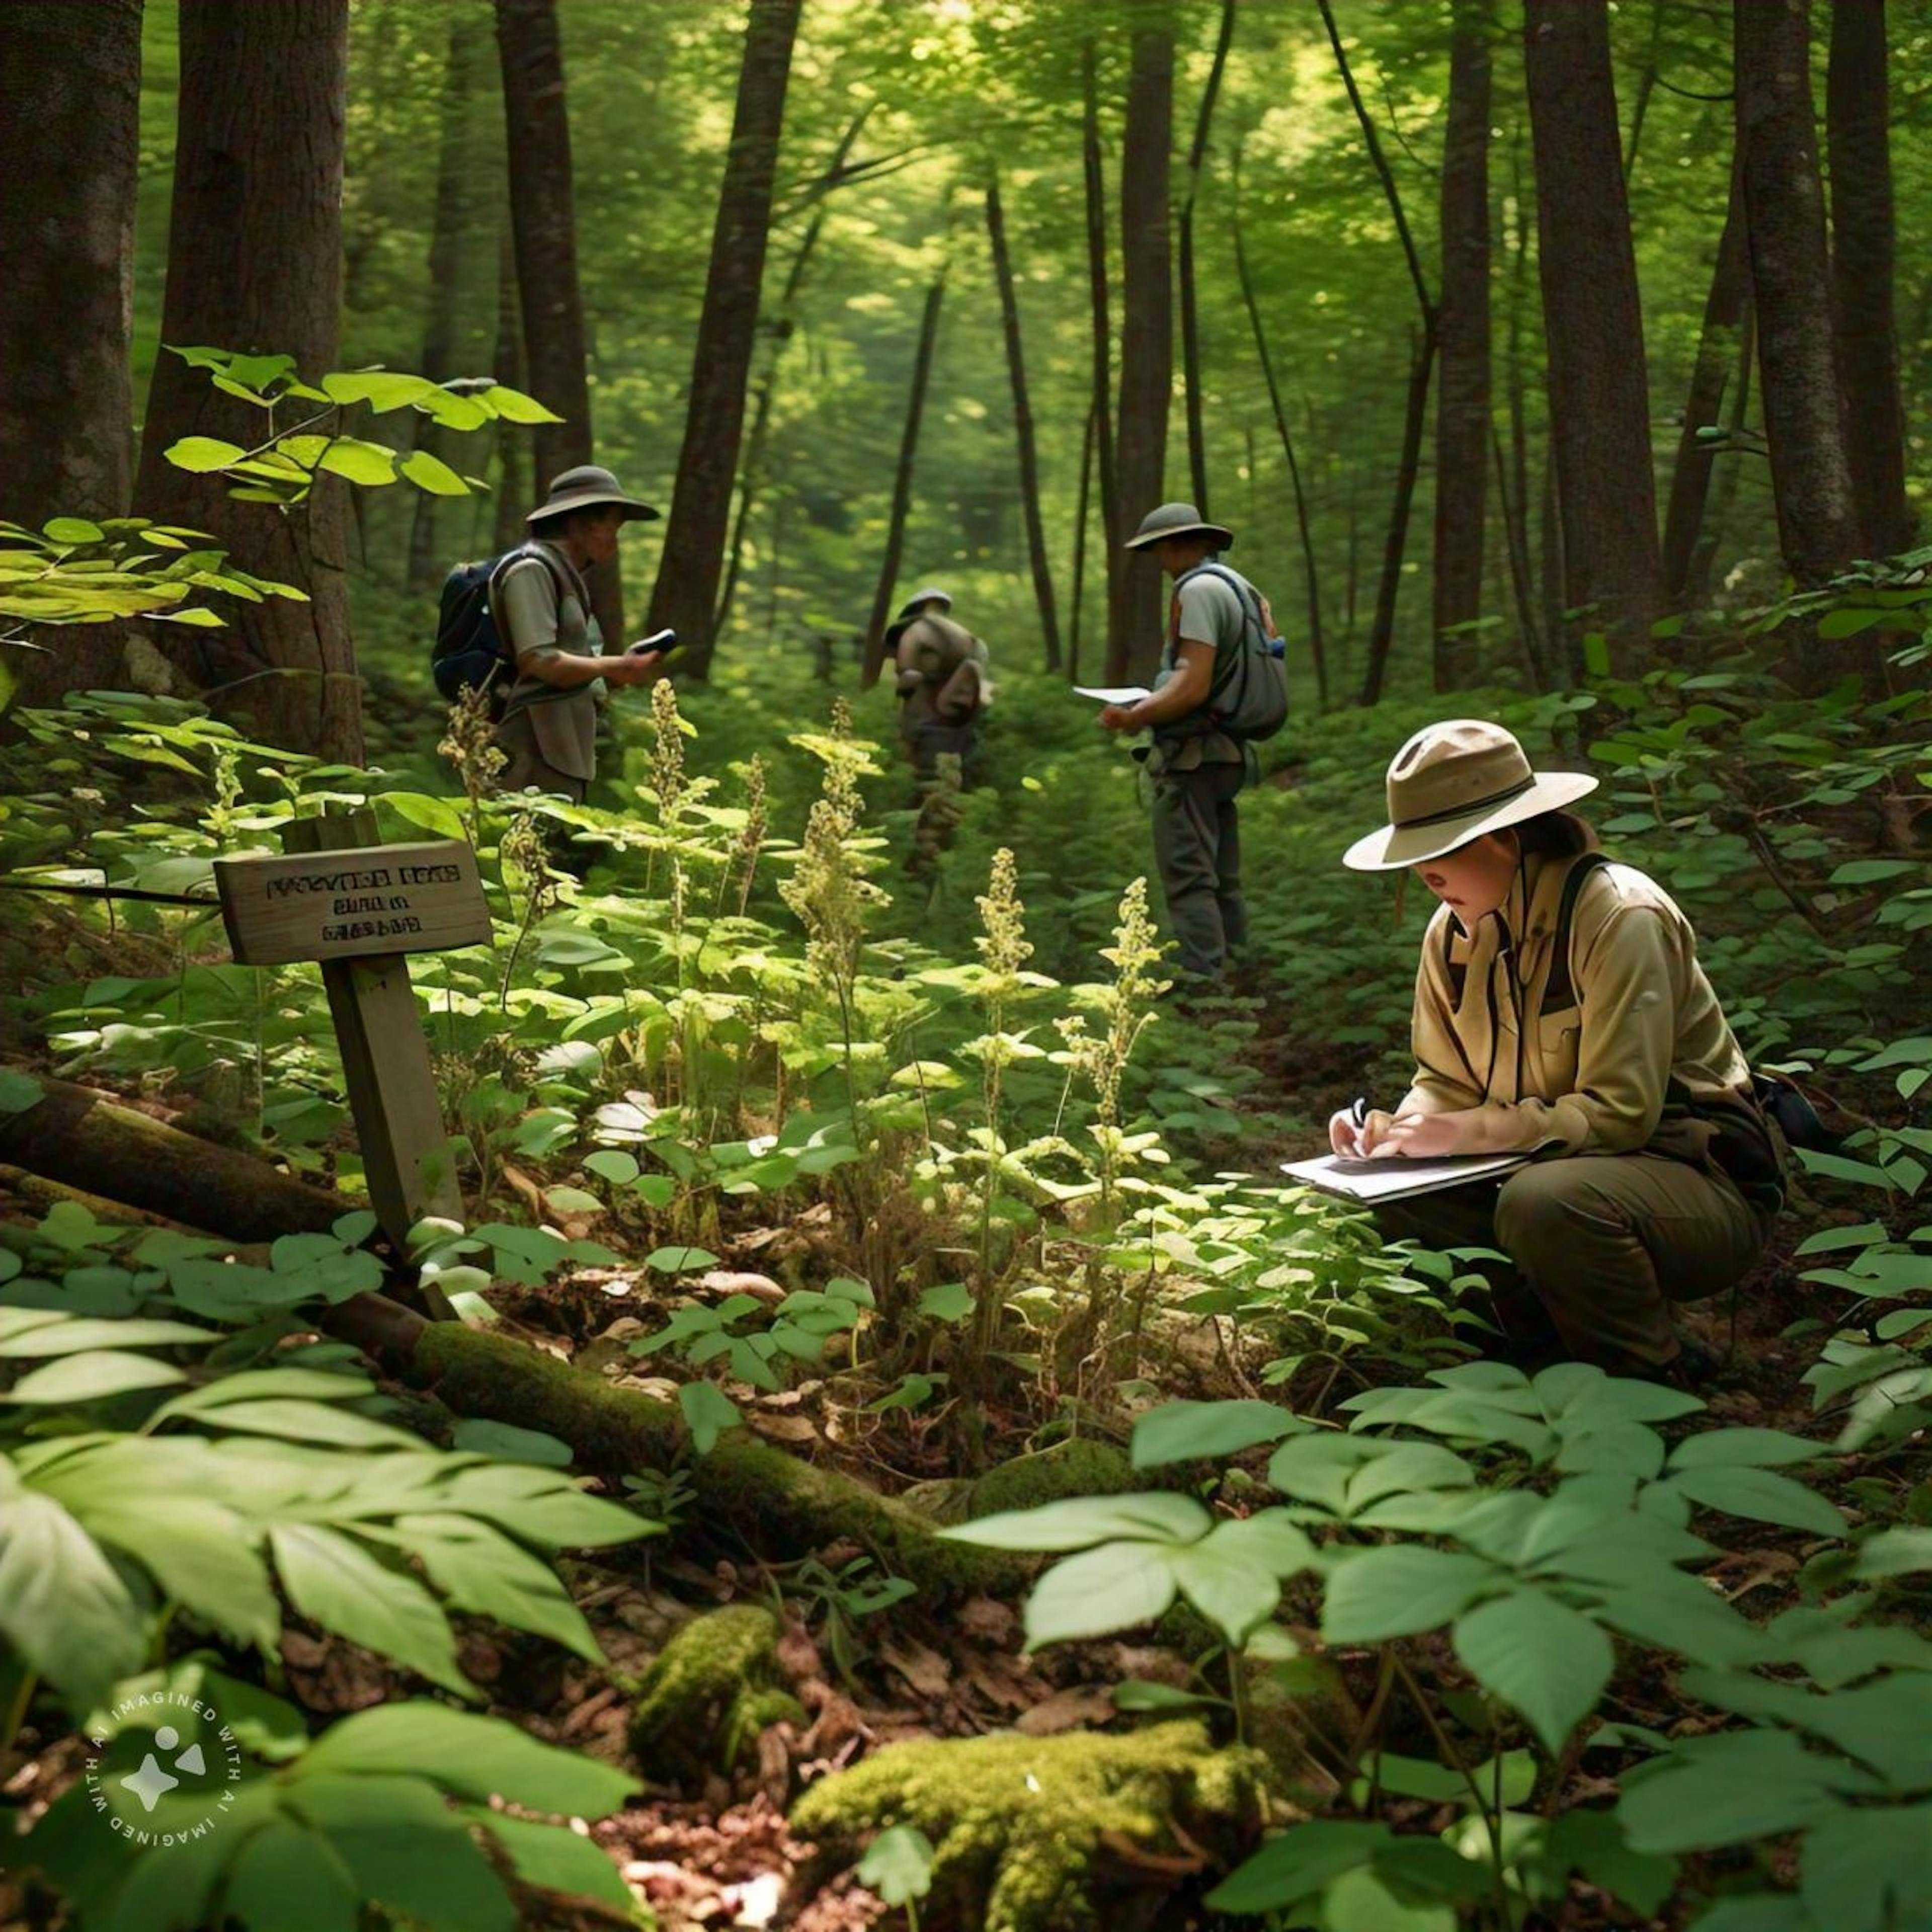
(1561, 1012)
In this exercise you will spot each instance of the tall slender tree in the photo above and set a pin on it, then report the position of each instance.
(1190, 315)
(1100, 406)
(255, 263)
(1857, 102)
(1134, 630)
(1784, 208)
(1462, 332)
(1023, 425)
(70, 130)
(543, 219)
(685, 594)
(515, 487)
(1725, 307)
(1599, 391)
(902, 476)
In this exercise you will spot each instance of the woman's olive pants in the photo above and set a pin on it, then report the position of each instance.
(1599, 1245)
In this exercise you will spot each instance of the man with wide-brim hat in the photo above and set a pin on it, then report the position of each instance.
(1562, 1013)
(943, 678)
(548, 731)
(1198, 769)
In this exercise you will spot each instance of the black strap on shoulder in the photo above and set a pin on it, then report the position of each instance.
(1559, 992)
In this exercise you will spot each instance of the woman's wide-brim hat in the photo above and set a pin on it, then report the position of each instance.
(588, 488)
(1177, 520)
(1451, 783)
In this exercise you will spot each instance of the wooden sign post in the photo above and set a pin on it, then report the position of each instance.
(359, 908)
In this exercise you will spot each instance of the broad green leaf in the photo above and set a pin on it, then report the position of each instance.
(897, 1864)
(73, 530)
(1735, 1789)
(1901, 1552)
(62, 1607)
(360, 462)
(297, 1421)
(1399, 1590)
(1114, 1587)
(335, 1581)
(1684, 1614)
(1360, 1901)
(1177, 1431)
(1301, 1861)
(469, 1755)
(431, 473)
(478, 1570)
(1158, 1516)
(506, 1441)
(1761, 1495)
(202, 453)
(1545, 1660)
(254, 1384)
(1592, 1843)
(680, 1260)
(553, 1858)
(1869, 1871)
(201, 1554)
(1753, 1448)
(68, 1338)
(381, 389)
(513, 405)
(19, 1091)
(1228, 1583)
(947, 1301)
(91, 1378)
(708, 1412)
(288, 1876)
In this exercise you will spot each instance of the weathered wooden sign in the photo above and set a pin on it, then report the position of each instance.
(354, 903)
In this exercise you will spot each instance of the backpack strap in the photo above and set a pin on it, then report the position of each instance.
(1559, 991)
(564, 577)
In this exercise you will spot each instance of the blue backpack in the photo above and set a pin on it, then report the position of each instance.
(469, 651)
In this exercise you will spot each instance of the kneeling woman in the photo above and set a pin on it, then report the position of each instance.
(1561, 1012)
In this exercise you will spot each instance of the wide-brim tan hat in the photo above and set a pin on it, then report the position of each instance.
(919, 599)
(587, 487)
(1451, 783)
(1177, 520)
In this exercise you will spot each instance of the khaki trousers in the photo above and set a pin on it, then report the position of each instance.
(1599, 1246)
(1197, 849)
(517, 739)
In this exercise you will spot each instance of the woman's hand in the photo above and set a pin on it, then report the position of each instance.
(1419, 1136)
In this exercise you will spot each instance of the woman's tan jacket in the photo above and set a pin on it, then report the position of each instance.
(1638, 1056)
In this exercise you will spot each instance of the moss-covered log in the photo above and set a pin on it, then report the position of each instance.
(1046, 1835)
(714, 1687)
(83, 1139)
(780, 1506)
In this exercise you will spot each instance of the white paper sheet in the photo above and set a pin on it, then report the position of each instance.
(1113, 693)
(1396, 1176)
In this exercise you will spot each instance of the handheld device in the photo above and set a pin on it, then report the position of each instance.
(663, 642)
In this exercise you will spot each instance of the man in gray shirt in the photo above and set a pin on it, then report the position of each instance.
(1198, 769)
(548, 728)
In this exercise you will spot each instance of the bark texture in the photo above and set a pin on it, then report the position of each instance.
(1134, 626)
(543, 219)
(1026, 451)
(1726, 308)
(70, 125)
(1190, 318)
(1462, 335)
(1863, 247)
(1100, 409)
(685, 594)
(1784, 204)
(1599, 392)
(255, 264)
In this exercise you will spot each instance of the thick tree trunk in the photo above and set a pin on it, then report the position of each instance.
(1101, 406)
(543, 217)
(1857, 110)
(1134, 616)
(449, 231)
(255, 263)
(1023, 429)
(69, 129)
(515, 486)
(1462, 335)
(751, 469)
(1725, 309)
(1599, 392)
(1190, 319)
(1804, 418)
(685, 594)
(902, 475)
(1089, 438)
(1311, 577)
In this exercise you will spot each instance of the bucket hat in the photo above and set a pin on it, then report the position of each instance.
(1177, 520)
(919, 599)
(584, 488)
(1451, 783)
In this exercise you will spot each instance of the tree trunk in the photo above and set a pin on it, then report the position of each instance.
(1190, 320)
(1422, 362)
(1725, 308)
(1599, 392)
(1088, 439)
(449, 233)
(685, 594)
(70, 128)
(1101, 405)
(1134, 616)
(255, 264)
(1516, 546)
(1804, 419)
(751, 470)
(1857, 110)
(515, 488)
(1244, 275)
(1716, 516)
(1463, 403)
(1023, 431)
(543, 217)
(888, 566)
